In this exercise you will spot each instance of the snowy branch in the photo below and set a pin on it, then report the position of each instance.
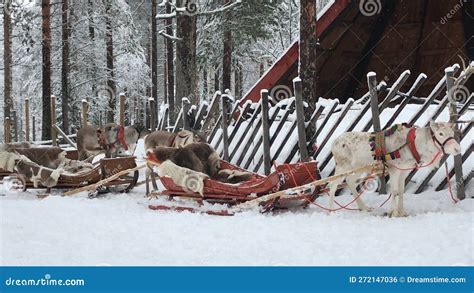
(173, 38)
(183, 10)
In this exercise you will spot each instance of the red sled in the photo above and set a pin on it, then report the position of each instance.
(285, 176)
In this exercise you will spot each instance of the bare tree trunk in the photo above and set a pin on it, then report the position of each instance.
(148, 62)
(227, 58)
(205, 86)
(154, 54)
(65, 67)
(216, 78)
(308, 42)
(110, 62)
(238, 85)
(90, 11)
(46, 69)
(7, 61)
(170, 67)
(186, 71)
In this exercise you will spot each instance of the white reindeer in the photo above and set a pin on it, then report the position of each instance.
(416, 146)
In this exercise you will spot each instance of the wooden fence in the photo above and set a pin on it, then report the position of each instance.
(255, 136)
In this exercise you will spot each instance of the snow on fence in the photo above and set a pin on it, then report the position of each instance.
(241, 133)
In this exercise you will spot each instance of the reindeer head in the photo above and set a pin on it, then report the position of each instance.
(199, 137)
(142, 130)
(443, 136)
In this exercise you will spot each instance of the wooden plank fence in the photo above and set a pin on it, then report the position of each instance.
(249, 127)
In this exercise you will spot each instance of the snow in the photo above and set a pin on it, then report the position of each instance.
(120, 230)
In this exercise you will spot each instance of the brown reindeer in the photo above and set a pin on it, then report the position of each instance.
(168, 139)
(112, 139)
(199, 157)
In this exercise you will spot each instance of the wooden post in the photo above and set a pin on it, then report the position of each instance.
(453, 117)
(15, 126)
(122, 109)
(85, 110)
(186, 105)
(267, 161)
(7, 130)
(152, 105)
(53, 120)
(374, 103)
(34, 128)
(225, 135)
(27, 119)
(302, 144)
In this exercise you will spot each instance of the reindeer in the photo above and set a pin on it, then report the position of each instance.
(162, 138)
(409, 147)
(112, 139)
(169, 139)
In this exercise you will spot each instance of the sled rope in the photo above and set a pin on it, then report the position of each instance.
(376, 168)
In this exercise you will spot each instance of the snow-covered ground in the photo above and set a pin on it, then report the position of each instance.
(121, 230)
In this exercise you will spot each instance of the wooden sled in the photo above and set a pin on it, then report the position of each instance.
(285, 176)
(105, 168)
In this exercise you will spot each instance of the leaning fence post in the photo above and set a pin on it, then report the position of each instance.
(374, 103)
(84, 115)
(27, 119)
(453, 117)
(224, 124)
(7, 130)
(122, 109)
(267, 161)
(300, 121)
(34, 129)
(186, 105)
(152, 106)
(53, 120)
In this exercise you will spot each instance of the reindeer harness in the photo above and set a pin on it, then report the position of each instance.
(381, 154)
(120, 138)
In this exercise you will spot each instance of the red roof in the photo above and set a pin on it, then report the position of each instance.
(281, 66)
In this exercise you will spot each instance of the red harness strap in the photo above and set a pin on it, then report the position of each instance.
(412, 146)
(121, 137)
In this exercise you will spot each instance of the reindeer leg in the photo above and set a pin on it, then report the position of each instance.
(332, 191)
(401, 190)
(394, 188)
(153, 180)
(352, 182)
(147, 181)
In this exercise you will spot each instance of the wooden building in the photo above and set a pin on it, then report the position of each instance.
(423, 36)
